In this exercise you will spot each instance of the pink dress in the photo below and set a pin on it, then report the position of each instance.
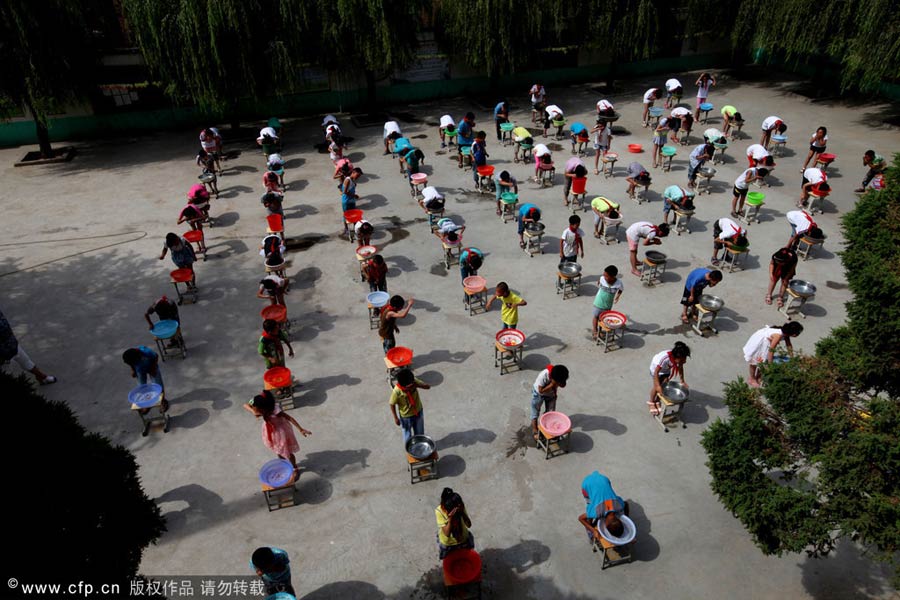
(278, 435)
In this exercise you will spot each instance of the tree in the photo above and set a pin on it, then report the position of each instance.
(87, 517)
(815, 455)
(47, 58)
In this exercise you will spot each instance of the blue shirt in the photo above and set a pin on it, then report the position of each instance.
(601, 498)
(464, 255)
(695, 278)
(523, 210)
(576, 128)
(464, 133)
(401, 144)
(501, 107)
(281, 573)
(148, 359)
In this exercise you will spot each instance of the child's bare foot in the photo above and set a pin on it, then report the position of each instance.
(635, 272)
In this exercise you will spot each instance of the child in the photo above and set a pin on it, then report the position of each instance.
(699, 155)
(363, 230)
(470, 260)
(271, 182)
(267, 140)
(769, 126)
(144, 363)
(574, 169)
(464, 135)
(703, 83)
(802, 225)
(538, 98)
(509, 311)
(544, 392)
(211, 145)
(602, 142)
(275, 163)
(758, 156)
(348, 192)
(208, 162)
(528, 213)
(664, 367)
(650, 96)
(673, 92)
(876, 165)
(553, 113)
(453, 524)
(270, 344)
(571, 242)
(165, 310)
(604, 208)
(782, 268)
(610, 289)
(479, 155)
(522, 137)
(273, 203)
(742, 186)
(817, 143)
(543, 161)
(501, 116)
(388, 321)
(697, 281)
(342, 169)
(273, 566)
(277, 434)
(730, 118)
(812, 177)
(580, 137)
(760, 348)
(405, 400)
(391, 133)
(336, 149)
(727, 234)
(182, 254)
(447, 130)
(605, 109)
(635, 176)
(505, 183)
(272, 288)
(270, 246)
(375, 272)
(11, 350)
(660, 135)
(650, 233)
(675, 197)
(432, 200)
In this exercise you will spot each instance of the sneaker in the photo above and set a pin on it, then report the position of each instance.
(48, 380)
(443, 145)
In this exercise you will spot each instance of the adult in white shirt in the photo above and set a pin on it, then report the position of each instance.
(605, 108)
(802, 225)
(647, 231)
(769, 126)
(812, 177)
(742, 186)
(757, 155)
(553, 113)
(673, 92)
(650, 96)
(727, 234)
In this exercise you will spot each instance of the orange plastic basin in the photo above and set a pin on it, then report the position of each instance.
(194, 235)
(485, 171)
(635, 148)
(277, 313)
(275, 223)
(182, 275)
(554, 424)
(400, 356)
(462, 566)
(278, 377)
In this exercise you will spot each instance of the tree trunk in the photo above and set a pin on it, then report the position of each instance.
(41, 131)
(371, 93)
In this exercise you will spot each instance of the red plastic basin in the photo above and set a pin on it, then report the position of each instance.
(400, 356)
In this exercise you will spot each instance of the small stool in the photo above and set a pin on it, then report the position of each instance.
(433, 217)
(718, 157)
(703, 319)
(280, 382)
(277, 313)
(651, 272)
(793, 305)
(668, 153)
(422, 470)
(450, 134)
(275, 224)
(169, 341)
(351, 218)
(612, 555)
(278, 270)
(778, 143)
(751, 209)
(806, 244)
(670, 413)
(195, 236)
(508, 204)
(704, 186)
(374, 316)
(506, 358)
(147, 421)
(451, 253)
(732, 258)
(474, 300)
(506, 133)
(534, 241)
(567, 286)
(705, 108)
(682, 220)
(392, 369)
(545, 175)
(559, 124)
(609, 230)
(609, 163)
(608, 337)
(815, 202)
(736, 130)
(280, 497)
(184, 276)
(485, 179)
(640, 196)
(362, 259)
(553, 445)
(466, 152)
(823, 160)
(526, 153)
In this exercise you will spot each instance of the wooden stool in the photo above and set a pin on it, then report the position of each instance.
(736, 130)
(278, 270)
(732, 258)
(147, 421)
(670, 413)
(169, 342)
(545, 176)
(668, 152)
(466, 152)
(451, 253)
(608, 337)
(718, 157)
(609, 230)
(651, 272)
(534, 242)
(374, 316)
(280, 497)
(195, 236)
(704, 112)
(553, 445)
(703, 319)
(640, 196)
(806, 244)
(433, 217)
(417, 183)
(612, 555)
(751, 212)
(392, 369)
(567, 286)
(184, 276)
(507, 358)
(815, 198)
(526, 153)
(704, 186)
(793, 305)
(609, 163)
(778, 143)
(473, 301)
(422, 470)
(509, 202)
(682, 220)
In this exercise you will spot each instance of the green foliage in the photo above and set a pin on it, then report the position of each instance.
(84, 503)
(829, 426)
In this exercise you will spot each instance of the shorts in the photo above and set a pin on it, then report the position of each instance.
(599, 311)
(348, 203)
(700, 100)
(567, 185)
(601, 147)
(537, 400)
(717, 231)
(23, 360)
(521, 223)
(805, 181)
(817, 149)
(632, 244)
(739, 192)
(659, 140)
(685, 297)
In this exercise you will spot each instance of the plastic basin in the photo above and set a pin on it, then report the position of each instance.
(613, 319)
(276, 312)
(354, 215)
(507, 126)
(165, 329)
(656, 111)
(635, 148)
(462, 566)
(194, 235)
(485, 171)
(276, 473)
(378, 299)
(706, 106)
(779, 138)
(826, 157)
(275, 223)
(628, 535)
(474, 283)
(509, 197)
(418, 177)
(510, 338)
(400, 356)
(278, 377)
(554, 424)
(610, 156)
(146, 395)
(577, 128)
(465, 150)
(366, 251)
(756, 198)
(182, 275)
(559, 123)
(669, 151)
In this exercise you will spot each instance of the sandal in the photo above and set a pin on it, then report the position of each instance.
(654, 409)
(498, 212)
(522, 245)
(685, 320)
(769, 299)
(780, 302)
(596, 172)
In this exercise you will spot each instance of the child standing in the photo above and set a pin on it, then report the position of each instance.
(270, 344)
(650, 96)
(782, 268)
(509, 311)
(571, 243)
(703, 83)
(405, 400)
(760, 348)
(817, 143)
(144, 363)
(388, 321)
(602, 142)
(182, 254)
(277, 434)
(742, 186)
(664, 367)
(609, 292)
(544, 392)
(375, 273)
(273, 566)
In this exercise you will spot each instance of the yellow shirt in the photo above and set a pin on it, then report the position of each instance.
(521, 132)
(399, 398)
(728, 110)
(510, 314)
(449, 540)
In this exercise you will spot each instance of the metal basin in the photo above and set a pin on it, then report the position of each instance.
(569, 269)
(676, 392)
(655, 257)
(207, 177)
(535, 227)
(420, 447)
(804, 289)
(707, 171)
(713, 303)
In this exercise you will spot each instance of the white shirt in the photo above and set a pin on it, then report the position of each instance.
(431, 193)
(273, 277)
(757, 152)
(328, 120)
(812, 140)
(605, 105)
(641, 229)
(358, 225)
(741, 182)
(447, 120)
(672, 84)
(800, 220)
(332, 129)
(662, 361)
(537, 93)
(542, 380)
(446, 226)
(680, 112)
(712, 134)
(391, 127)
(648, 96)
(614, 287)
(729, 228)
(813, 175)
(568, 238)
(554, 111)
(703, 88)
(769, 123)
(541, 149)
(267, 131)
